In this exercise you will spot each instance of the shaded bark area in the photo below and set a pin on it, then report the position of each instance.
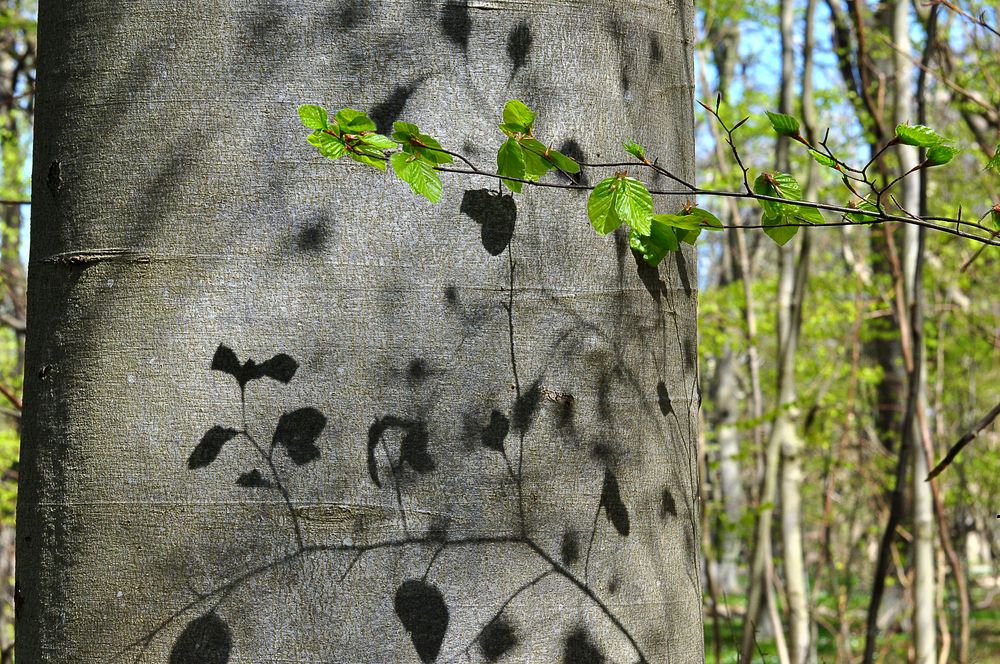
(278, 408)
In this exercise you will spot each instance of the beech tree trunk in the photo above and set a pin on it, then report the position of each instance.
(279, 409)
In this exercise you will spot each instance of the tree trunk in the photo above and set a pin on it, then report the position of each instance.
(475, 429)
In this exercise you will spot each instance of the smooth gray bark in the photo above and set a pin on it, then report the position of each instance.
(528, 392)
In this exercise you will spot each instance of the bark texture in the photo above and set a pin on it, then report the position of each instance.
(475, 437)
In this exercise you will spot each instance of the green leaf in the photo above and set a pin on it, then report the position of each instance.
(415, 142)
(510, 163)
(329, 146)
(858, 217)
(563, 163)
(419, 174)
(373, 161)
(784, 125)
(994, 163)
(995, 216)
(635, 150)
(313, 116)
(687, 236)
(653, 246)
(379, 142)
(634, 204)
(619, 199)
(535, 163)
(694, 219)
(779, 233)
(354, 122)
(518, 116)
(918, 135)
(939, 155)
(783, 185)
(824, 160)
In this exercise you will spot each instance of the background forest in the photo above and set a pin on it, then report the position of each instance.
(824, 386)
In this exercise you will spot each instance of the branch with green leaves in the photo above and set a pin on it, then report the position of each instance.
(621, 199)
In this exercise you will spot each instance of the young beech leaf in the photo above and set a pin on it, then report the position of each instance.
(366, 157)
(688, 236)
(862, 206)
(329, 146)
(354, 122)
(918, 135)
(691, 219)
(655, 246)
(783, 185)
(620, 199)
(783, 125)
(824, 160)
(611, 501)
(774, 228)
(417, 143)
(635, 150)
(995, 216)
(939, 155)
(421, 608)
(313, 116)
(378, 142)
(211, 444)
(562, 162)
(297, 432)
(994, 163)
(517, 116)
(510, 163)
(205, 640)
(419, 174)
(535, 164)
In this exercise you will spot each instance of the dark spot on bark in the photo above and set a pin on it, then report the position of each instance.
(682, 271)
(603, 394)
(348, 15)
(421, 608)
(417, 369)
(614, 506)
(668, 507)
(45, 372)
(624, 81)
(496, 214)
(655, 50)
(601, 451)
(690, 353)
(649, 276)
(613, 585)
(451, 294)
(313, 236)
(497, 639)
(456, 22)
(526, 406)
(437, 531)
(389, 109)
(579, 649)
(54, 178)
(205, 640)
(569, 548)
(253, 479)
(519, 44)
(663, 399)
(567, 410)
(495, 433)
(571, 148)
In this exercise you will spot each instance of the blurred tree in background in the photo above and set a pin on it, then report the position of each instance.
(17, 68)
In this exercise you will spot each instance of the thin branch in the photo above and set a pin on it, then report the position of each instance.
(970, 435)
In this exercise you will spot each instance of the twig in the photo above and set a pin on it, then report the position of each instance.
(970, 435)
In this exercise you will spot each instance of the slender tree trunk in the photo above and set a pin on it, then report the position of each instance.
(924, 624)
(465, 432)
